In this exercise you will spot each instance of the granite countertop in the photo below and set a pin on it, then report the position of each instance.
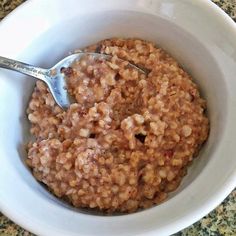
(221, 221)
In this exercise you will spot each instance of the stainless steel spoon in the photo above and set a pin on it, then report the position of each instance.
(53, 77)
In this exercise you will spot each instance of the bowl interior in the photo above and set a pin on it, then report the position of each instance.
(73, 34)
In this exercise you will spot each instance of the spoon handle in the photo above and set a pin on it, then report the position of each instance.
(24, 68)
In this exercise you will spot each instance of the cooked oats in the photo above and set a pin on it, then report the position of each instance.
(128, 139)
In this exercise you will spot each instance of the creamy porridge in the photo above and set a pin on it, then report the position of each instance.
(128, 140)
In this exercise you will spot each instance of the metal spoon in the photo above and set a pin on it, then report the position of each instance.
(53, 77)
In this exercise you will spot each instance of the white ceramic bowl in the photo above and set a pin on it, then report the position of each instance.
(197, 33)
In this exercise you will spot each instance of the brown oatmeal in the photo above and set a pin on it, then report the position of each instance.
(129, 138)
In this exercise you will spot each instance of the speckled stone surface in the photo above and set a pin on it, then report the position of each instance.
(220, 222)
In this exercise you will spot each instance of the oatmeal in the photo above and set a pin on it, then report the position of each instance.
(128, 140)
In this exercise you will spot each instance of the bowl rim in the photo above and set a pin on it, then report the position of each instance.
(211, 204)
